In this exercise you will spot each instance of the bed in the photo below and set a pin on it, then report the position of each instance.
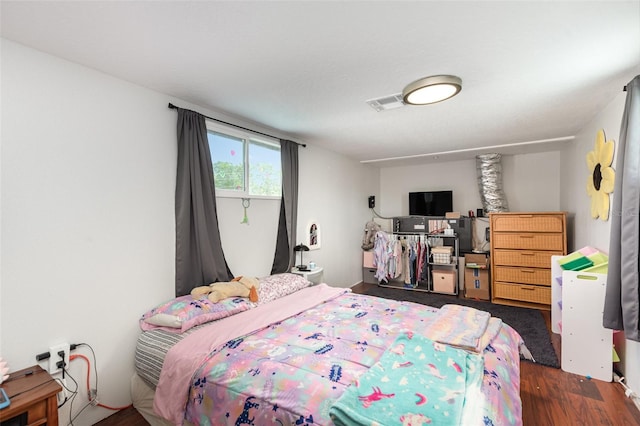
(323, 355)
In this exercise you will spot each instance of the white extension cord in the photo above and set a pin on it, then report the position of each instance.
(628, 392)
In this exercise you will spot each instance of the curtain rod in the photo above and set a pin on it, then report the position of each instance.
(172, 106)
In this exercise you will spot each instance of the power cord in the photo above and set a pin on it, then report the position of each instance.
(95, 361)
(73, 396)
(378, 216)
(92, 393)
(66, 398)
(628, 392)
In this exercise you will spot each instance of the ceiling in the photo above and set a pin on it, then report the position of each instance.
(534, 73)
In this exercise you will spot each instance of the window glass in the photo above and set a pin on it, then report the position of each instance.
(265, 169)
(227, 157)
(244, 164)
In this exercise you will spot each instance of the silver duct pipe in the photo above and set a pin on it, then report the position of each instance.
(489, 169)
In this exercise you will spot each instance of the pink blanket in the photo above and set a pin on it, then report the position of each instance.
(183, 359)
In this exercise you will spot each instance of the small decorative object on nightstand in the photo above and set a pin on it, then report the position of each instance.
(312, 274)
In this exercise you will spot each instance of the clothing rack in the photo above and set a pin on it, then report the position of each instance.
(418, 246)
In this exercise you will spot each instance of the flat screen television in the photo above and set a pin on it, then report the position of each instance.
(430, 203)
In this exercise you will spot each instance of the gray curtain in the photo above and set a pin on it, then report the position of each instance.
(284, 257)
(622, 300)
(199, 256)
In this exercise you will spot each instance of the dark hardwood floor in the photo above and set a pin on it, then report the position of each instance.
(549, 396)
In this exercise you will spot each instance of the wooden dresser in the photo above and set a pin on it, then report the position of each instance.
(522, 244)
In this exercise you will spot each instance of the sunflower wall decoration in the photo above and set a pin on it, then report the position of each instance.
(602, 178)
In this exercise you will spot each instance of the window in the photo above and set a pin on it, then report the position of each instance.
(244, 164)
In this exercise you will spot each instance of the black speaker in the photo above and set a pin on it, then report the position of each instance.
(479, 213)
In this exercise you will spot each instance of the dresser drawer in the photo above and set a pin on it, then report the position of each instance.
(524, 293)
(522, 275)
(528, 223)
(529, 241)
(530, 259)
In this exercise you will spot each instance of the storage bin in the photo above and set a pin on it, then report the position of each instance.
(441, 254)
(441, 258)
(369, 276)
(367, 259)
(600, 263)
(444, 281)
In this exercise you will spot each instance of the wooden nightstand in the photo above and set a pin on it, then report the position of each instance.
(33, 395)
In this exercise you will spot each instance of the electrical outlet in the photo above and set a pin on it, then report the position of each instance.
(372, 201)
(55, 358)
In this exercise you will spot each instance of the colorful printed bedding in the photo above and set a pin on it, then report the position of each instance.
(417, 380)
(306, 349)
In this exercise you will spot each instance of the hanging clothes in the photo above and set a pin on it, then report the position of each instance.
(406, 261)
(419, 261)
(394, 253)
(397, 257)
(381, 255)
(402, 258)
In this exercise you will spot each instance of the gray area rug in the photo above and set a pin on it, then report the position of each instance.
(529, 323)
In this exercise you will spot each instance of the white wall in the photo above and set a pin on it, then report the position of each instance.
(334, 192)
(596, 232)
(88, 174)
(593, 232)
(88, 235)
(527, 186)
(397, 182)
(257, 238)
(530, 183)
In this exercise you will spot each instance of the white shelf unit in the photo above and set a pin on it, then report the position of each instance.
(587, 347)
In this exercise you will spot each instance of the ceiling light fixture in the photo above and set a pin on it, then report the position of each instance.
(430, 90)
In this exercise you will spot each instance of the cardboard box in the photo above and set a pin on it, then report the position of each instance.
(480, 259)
(444, 281)
(476, 284)
(476, 277)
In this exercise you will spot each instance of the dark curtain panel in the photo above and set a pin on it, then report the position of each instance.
(622, 300)
(199, 256)
(284, 258)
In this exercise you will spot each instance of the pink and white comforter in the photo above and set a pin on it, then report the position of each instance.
(289, 361)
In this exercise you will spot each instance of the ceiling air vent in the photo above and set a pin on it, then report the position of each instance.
(386, 103)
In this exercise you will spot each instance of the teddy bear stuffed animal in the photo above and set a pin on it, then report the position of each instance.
(238, 287)
(370, 231)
